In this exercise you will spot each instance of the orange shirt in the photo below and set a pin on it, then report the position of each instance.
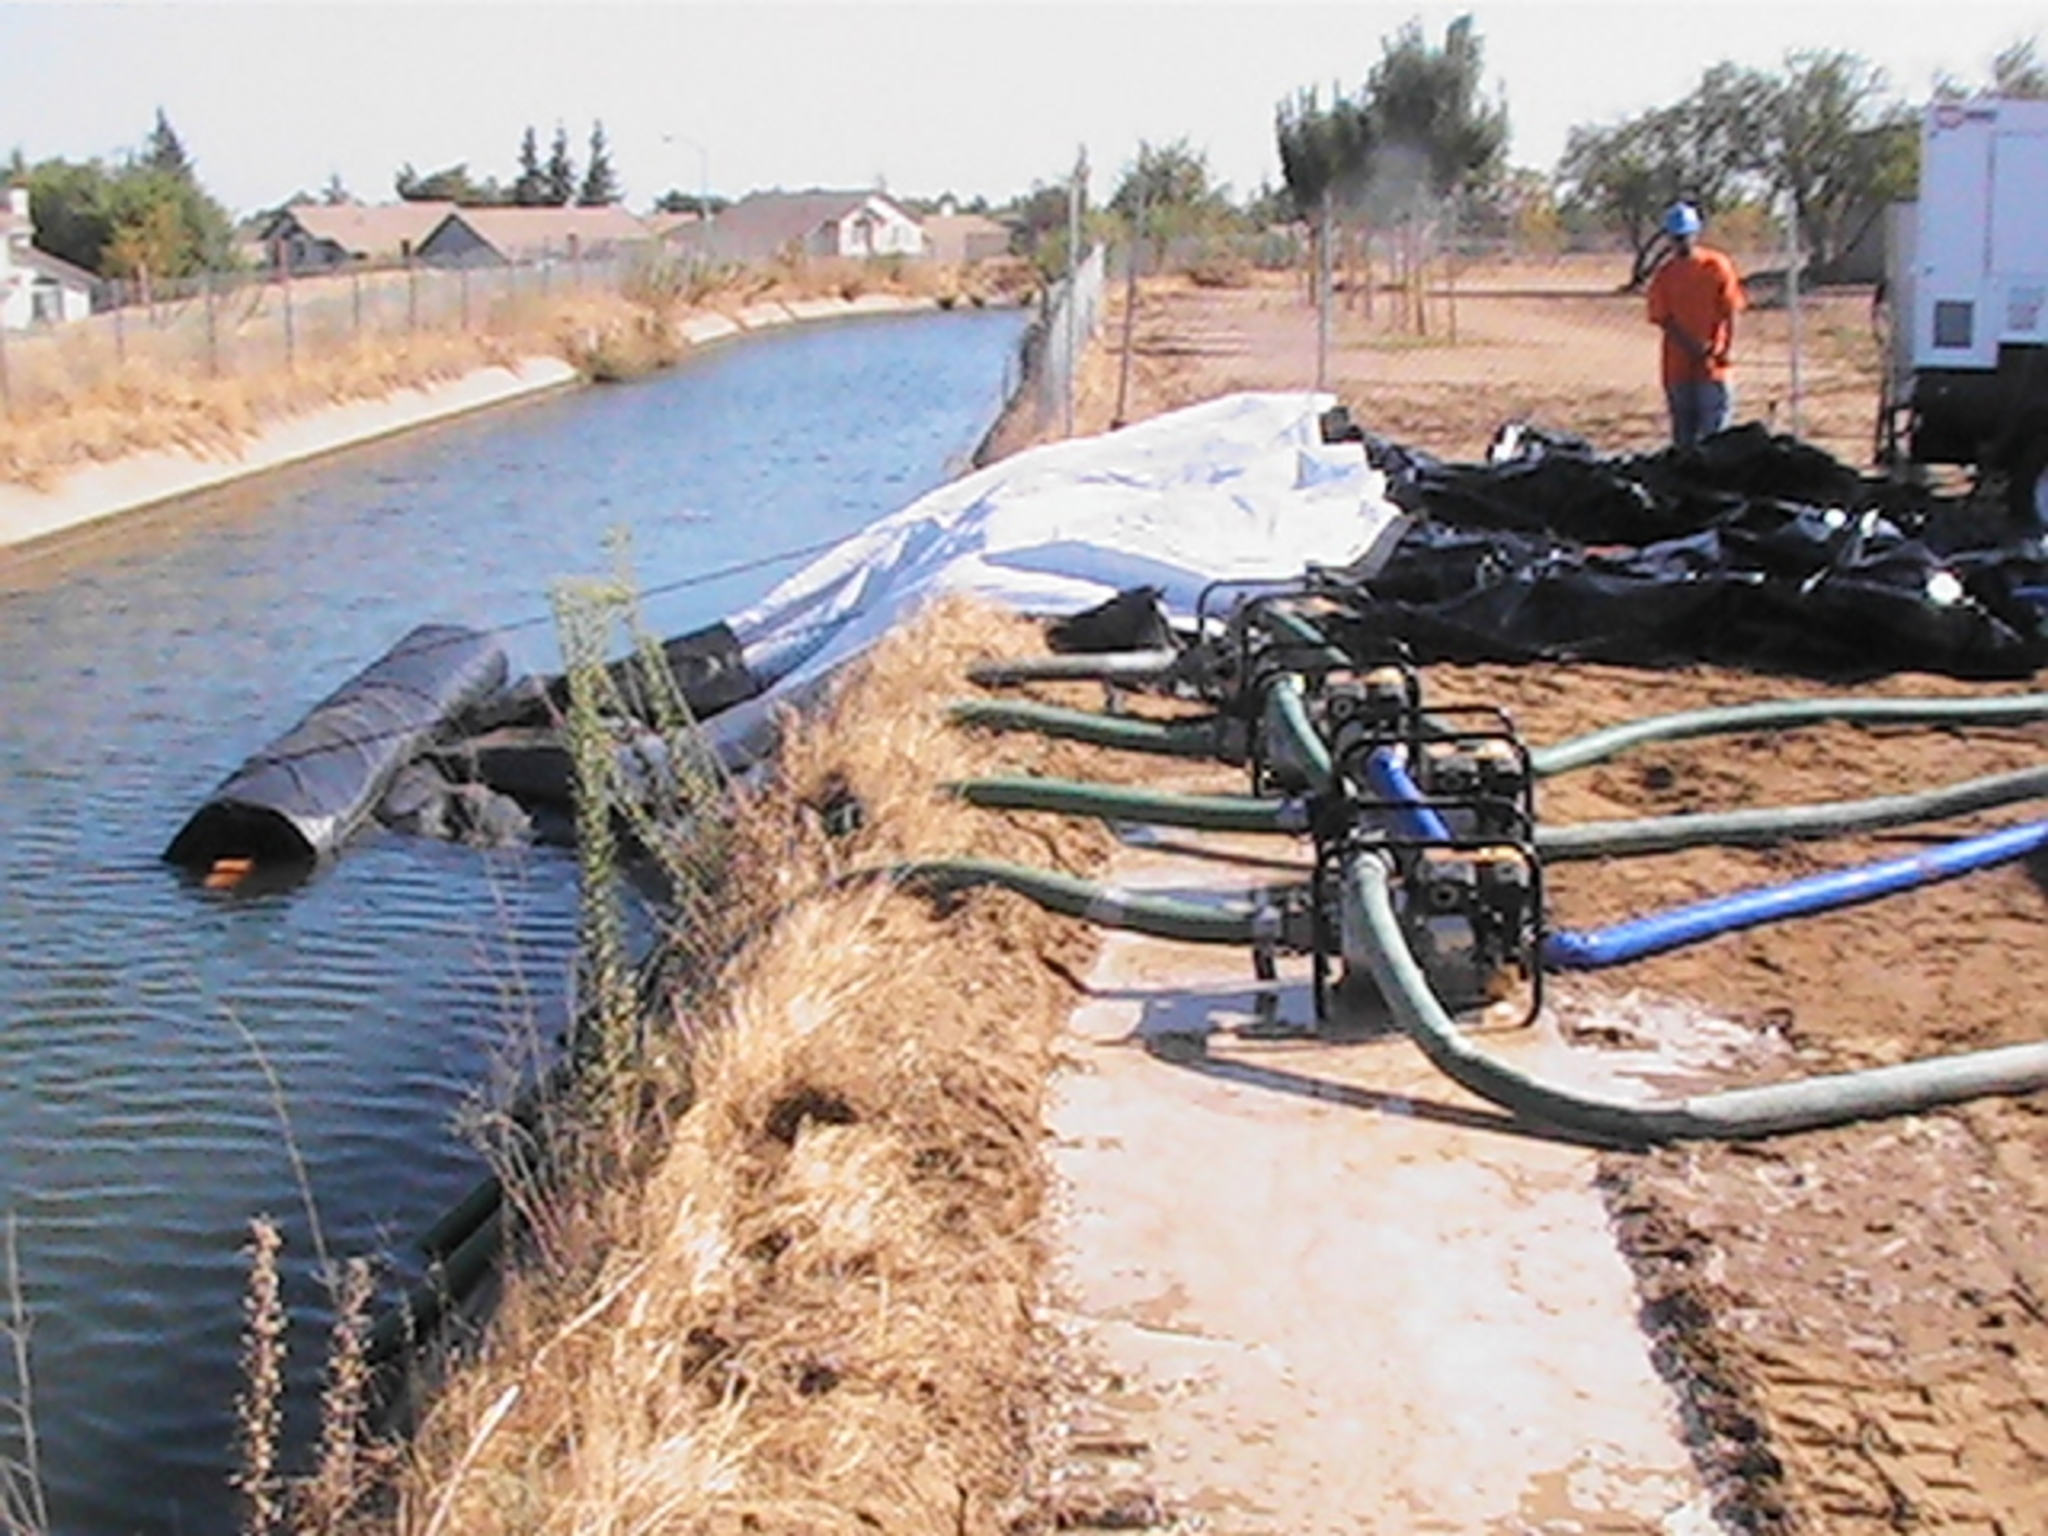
(1703, 295)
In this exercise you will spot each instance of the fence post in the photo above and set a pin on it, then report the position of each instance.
(1073, 285)
(1792, 302)
(355, 299)
(1323, 295)
(462, 287)
(291, 338)
(1451, 278)
(6, 383)
(121, 323)
(208, 279)
(412, 296)
(1123, 378)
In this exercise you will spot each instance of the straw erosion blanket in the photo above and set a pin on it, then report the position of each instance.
(816, 1306)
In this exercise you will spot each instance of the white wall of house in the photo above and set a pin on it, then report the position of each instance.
(28, 296)
(878, 228)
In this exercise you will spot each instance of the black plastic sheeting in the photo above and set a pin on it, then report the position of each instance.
(709, 666)
(1749, 550)
(300, 798)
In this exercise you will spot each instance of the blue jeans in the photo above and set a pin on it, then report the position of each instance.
(1699, 409)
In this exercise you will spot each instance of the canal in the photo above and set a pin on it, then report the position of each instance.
(143, 1019)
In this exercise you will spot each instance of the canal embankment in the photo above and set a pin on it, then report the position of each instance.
(136, 481)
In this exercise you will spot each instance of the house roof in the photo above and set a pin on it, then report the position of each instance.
(768, 221)
(57, 269)
(964, 227)
(385, 230)
(523, 232)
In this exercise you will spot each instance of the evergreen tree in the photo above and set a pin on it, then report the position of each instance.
(164, 151)
(530, 190)
(600, 185)
(561, 171)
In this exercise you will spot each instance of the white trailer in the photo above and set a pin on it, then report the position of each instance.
(1967, 280)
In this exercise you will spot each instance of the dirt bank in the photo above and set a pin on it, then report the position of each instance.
(1855, 1320)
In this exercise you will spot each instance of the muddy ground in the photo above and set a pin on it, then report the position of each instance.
(1856, 1320)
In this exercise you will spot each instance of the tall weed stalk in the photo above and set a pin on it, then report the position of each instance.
(23, 1511)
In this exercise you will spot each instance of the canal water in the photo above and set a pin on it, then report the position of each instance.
(142, 1019)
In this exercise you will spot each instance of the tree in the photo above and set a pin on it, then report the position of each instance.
(163, 151)
(451, 184)
(1435, 131)
(2019, 73)
(1836, 149)
(530, 187)
(600, 187)
(1706, 149)
(560, 174)
(1822, 135)
(1324, 152)
(69, 203)
(675, 200)
(1166, 176)
(336, 193)
(1170, 185)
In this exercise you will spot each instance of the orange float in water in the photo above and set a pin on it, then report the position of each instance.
(226, 874)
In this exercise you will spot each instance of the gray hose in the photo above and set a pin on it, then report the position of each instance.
(1787, 823)
(1733, 1115)
(1779, 714)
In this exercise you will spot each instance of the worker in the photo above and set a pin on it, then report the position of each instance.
(1694, 298)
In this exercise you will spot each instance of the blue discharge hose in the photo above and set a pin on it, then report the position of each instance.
(1633, 940)
(1389, 778)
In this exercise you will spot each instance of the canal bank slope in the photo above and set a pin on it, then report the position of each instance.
(145, 480)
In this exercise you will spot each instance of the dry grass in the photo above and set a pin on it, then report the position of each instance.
(816, 1311)
(76, 401)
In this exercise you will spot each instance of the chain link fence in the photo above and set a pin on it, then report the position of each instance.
(254, 325)
(1430, 331)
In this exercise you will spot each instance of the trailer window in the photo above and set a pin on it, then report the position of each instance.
(1952, 322)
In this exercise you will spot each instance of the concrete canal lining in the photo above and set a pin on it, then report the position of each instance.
(143, 480)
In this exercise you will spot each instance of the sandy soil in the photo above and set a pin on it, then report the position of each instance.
(1854, 1323)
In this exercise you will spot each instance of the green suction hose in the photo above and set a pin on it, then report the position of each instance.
(1732, 1115)
(1779, 714)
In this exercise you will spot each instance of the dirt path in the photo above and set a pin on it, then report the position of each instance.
(1325, 1308)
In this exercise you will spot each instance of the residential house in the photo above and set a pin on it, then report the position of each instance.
(961, 239)
(763, 226)
(317, 237)
(36, 288)
(471, 237)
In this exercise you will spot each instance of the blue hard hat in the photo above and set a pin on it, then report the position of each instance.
(1681, 220)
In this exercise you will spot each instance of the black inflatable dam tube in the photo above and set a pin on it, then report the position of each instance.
(300, 798)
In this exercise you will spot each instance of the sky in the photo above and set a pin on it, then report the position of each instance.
(967, 96)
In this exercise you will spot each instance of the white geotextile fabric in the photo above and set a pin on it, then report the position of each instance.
(1239, 487)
